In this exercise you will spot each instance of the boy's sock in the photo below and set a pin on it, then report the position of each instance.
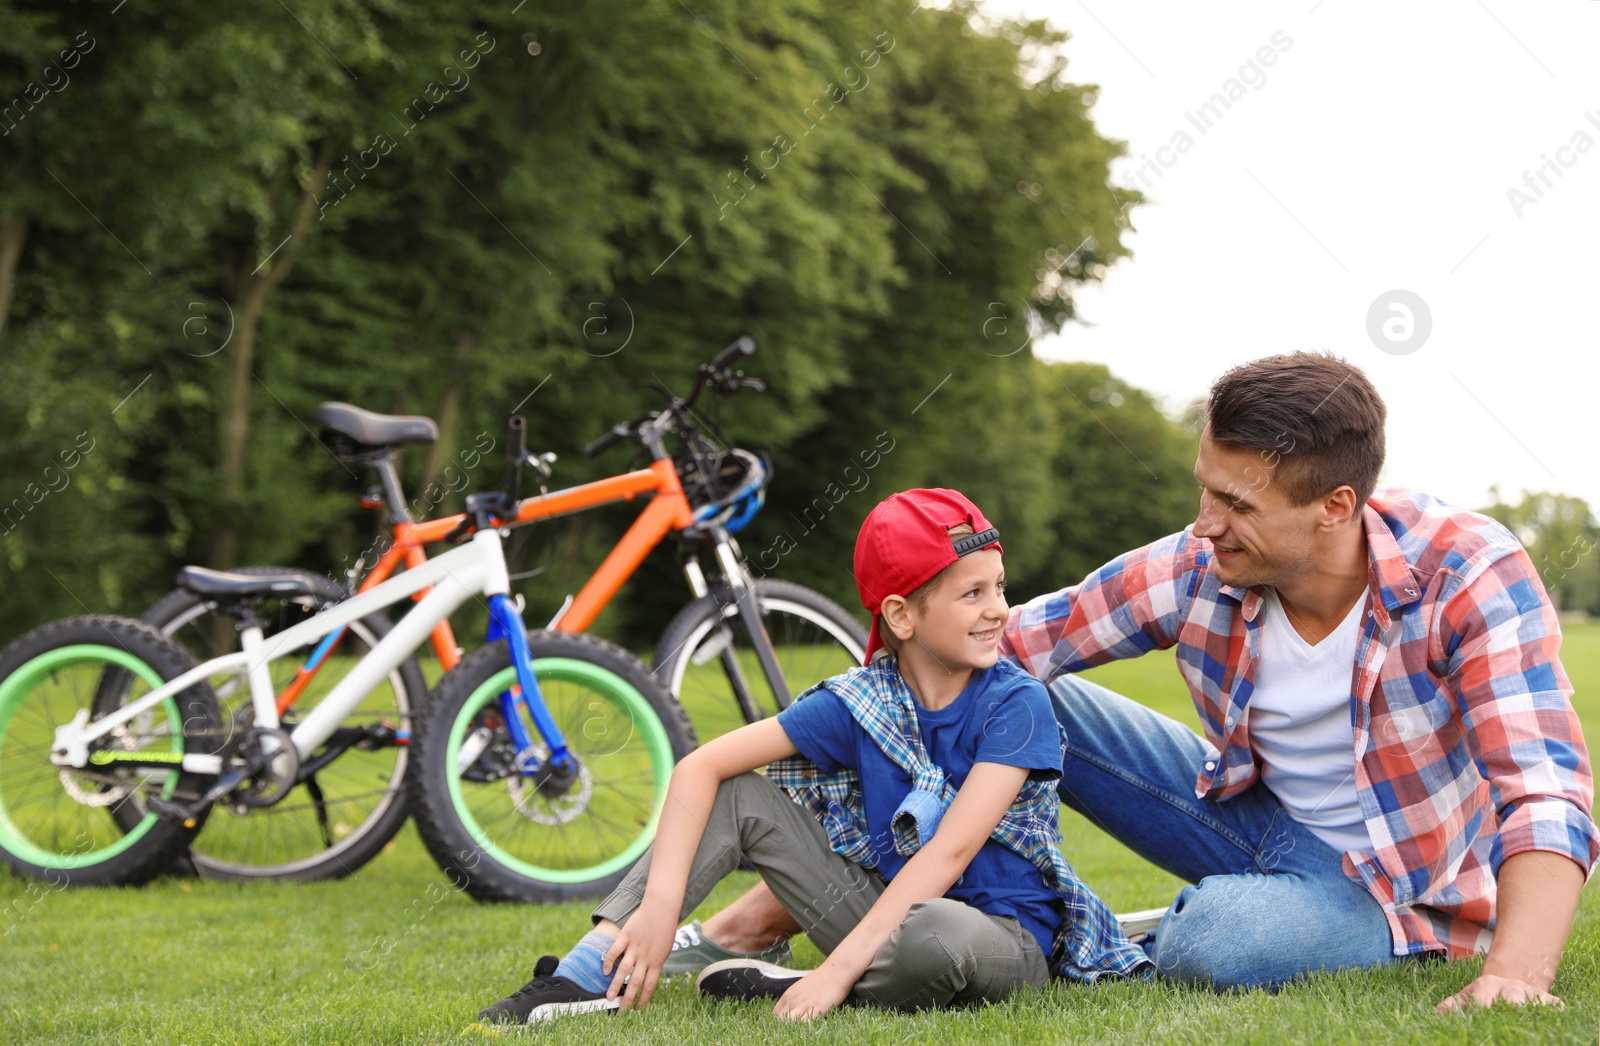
(582, 964)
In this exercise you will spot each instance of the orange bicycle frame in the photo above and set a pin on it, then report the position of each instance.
(668, 511)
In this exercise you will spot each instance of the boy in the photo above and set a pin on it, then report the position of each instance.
(928, 867)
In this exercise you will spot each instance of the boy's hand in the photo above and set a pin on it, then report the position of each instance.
(639, 952)
(813, 995)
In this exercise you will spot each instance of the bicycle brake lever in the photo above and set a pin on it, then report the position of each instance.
(540, 463)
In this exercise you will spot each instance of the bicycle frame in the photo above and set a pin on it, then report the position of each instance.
(669, 510)
(443, 585)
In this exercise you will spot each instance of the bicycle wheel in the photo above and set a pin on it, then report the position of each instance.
(814, 639)
(341, 814)
(61, 824)
(500, 836)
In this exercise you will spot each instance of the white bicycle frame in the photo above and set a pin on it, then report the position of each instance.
(474, 569)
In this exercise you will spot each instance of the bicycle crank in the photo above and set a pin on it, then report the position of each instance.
(262, 766)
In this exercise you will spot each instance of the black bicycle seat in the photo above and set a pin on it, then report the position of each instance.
(375, 430)
(220, 584)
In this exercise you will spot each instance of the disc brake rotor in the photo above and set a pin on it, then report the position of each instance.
(538, 805)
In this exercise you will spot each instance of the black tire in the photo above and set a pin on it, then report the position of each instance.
(499, 840)
(60, 825)
(813, 637)
(363, 800)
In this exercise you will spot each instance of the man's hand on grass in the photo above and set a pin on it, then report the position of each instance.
(1487, 989)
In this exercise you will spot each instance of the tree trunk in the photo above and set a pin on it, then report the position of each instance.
(13, 234)
(449, 416)
(253, 289)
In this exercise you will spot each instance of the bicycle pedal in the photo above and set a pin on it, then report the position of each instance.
(184, 813)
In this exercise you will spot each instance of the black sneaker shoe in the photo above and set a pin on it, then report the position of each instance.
(545, 998)
(745, 979)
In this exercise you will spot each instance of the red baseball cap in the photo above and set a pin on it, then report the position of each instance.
(906, 540)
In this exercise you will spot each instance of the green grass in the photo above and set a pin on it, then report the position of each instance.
(394, 955)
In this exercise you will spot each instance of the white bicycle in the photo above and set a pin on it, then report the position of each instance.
(538, 772)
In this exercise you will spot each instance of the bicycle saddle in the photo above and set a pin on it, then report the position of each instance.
(220, 584)
(375, 430)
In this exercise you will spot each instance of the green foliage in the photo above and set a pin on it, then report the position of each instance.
(1561, 536)
(222, 222)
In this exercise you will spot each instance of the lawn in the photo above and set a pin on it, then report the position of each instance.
(393, 954)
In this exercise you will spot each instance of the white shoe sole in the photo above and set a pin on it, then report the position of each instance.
(553, 1010)
(745, 979)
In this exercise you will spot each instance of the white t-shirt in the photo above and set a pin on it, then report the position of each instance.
(1300, 724)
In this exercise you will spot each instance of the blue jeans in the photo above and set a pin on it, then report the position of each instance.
(1270, 900)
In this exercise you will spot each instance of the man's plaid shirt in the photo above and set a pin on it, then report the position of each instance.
(1467, 749)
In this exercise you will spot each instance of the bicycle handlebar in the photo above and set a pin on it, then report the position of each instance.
(744, 345)
(620, 431)
(718, 374)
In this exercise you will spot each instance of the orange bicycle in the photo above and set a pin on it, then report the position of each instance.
(741, 642)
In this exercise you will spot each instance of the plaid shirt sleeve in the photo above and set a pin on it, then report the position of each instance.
(1499, 640)
(1131, 606)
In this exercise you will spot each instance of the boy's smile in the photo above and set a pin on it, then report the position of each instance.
(958, 629)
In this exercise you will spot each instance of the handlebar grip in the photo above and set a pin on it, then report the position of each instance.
(744, 345)
(617, 434)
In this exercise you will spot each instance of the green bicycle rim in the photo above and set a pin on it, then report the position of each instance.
(561, 669)
(15, 689)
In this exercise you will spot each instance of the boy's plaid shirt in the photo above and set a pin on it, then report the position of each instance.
(1467, 750)
(1090, 943)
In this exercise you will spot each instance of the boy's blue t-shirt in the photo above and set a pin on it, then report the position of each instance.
(1003, 716)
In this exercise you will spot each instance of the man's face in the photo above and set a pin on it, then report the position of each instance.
(1259, 538)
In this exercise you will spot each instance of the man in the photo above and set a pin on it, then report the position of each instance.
(1391, 765)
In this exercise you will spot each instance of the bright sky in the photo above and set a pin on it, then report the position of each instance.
(1374, 155)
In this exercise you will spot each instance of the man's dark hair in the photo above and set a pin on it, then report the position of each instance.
(1316, 420)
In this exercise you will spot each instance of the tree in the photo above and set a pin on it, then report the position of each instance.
(457, 211)
(1560, 534)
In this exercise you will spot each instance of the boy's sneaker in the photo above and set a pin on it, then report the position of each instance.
(693, 951)
(745, 979)
(546, 997)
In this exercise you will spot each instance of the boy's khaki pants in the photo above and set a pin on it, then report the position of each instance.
(943, 953)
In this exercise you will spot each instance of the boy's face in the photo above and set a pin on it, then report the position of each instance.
(959, 626)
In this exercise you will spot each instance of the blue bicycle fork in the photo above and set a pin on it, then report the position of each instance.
(505, 622)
